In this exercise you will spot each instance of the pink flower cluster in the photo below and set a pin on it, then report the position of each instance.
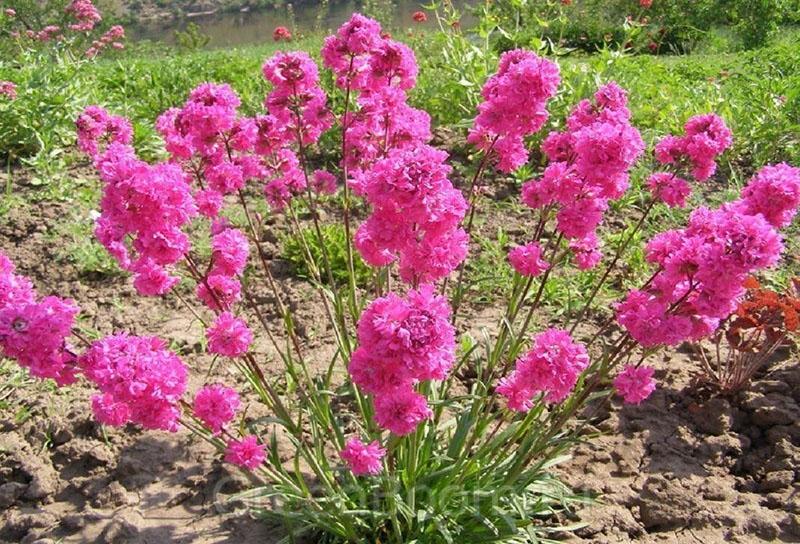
(416, 209)
(216, 405)
(8, 89)
(229, 336)
(693, 154)
(111, 38)
(552, 366)
(246, 452)
(635, 384)
(589, 165)
(298, 114)
(403, 341)
(34, 332)
(143, 207)
(701, 268)
(85, 14)
(416, 215)
(363, 459)
(139, 379)
(95, 126)
(220, 288)
(514, 106)
(527, 260)
(774, 193)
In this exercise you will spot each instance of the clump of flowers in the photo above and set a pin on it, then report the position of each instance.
(246, 452)
(216, 405)
(8, 89)
(229, 336)
(551, 367)
(702, 269)
(363, 459)
(281, 34)
(589, 166)
(514, 106)
(34, 331)
(139, 379)
(634, 384)
(402, 342)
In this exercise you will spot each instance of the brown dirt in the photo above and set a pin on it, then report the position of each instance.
(678, 468)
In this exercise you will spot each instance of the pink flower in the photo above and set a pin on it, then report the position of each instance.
(527, 260)
(229, 336)
(669, 189)
(523, 84)
(216, 405)
(419, 17)
(219, 292)
(645, 3)
(552, 366)
(8, 89)
(401, 410)
(586, 251)
(139, 381)
(281, 33)
(413, 333)
(230, 250)
(635, 384)
(324, 182)
(363, 459)
(774, 192)
(246, 452)
(35, 333)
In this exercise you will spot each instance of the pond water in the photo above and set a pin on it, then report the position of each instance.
(227, 29)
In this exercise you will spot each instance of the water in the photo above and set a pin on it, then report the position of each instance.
(228, 29)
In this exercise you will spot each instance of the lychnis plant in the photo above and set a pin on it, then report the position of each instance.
(428, 435)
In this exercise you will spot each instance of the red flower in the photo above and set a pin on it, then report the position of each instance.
(419, 17)
(645, 3)
(281, 33)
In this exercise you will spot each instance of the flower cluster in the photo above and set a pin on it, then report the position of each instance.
(703, 266)
(96, 126)
(246, 452)
(403, 341)
(363, 459)
(216, 405)
(693, 154)
(142, 212)
(416, 215)
(229, 336)
(416, 209)
(527, 260)
(34, 332)
(85, 14)
(281, 34)
(634, 384)
(774, 193)
(552, 367)
(589, 164)
(111, 38)
(8, 89)
(220, 288)
(297, 116)
(514, 106)
(139, 379)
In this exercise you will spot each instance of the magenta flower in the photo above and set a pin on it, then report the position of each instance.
(527, 260)
(635, 384)
(229, 336)
(363, 459)
(246, 452)
(669, 189)
(401, 410)
(140, 381)
(216, 405)
(552, 366)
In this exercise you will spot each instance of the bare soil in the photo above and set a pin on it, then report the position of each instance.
(681, 467)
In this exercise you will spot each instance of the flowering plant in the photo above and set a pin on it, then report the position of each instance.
(415, 431)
